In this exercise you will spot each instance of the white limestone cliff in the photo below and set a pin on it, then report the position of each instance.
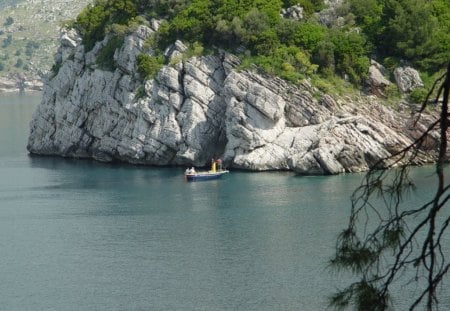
(201, 108)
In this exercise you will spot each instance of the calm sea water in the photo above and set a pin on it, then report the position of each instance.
(81, 235)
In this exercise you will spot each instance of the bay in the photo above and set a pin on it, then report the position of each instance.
(82, 235)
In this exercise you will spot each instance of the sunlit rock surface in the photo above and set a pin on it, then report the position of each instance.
(202, 108)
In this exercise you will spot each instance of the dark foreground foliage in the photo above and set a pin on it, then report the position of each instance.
(384, 239)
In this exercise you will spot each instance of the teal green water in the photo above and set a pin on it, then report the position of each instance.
(81, 235)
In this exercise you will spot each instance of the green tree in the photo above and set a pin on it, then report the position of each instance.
(19, 63)
(271, 8)
(324, 57)
(161, 8)
(350, 55)
(148, 66)
(412, 30)
(288, 62)
(407, 28)
(266, 42)
(384, 239)
(228, 9)
(9, 21)
(255, 24)
(303, 34)
(7, 41)
(194, 23)
(31, 47)
(439, 43)
(418, 95)
(105, 57)
(368, 16)
(92, 22)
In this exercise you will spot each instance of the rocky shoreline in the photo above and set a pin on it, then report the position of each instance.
(203, 108)
(20, 84)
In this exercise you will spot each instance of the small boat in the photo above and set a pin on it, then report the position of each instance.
(198, 176)
(215, 173)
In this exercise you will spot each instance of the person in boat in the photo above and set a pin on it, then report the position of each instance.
(190, 171)
(219, 164)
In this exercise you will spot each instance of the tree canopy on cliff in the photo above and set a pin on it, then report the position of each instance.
(417, 31)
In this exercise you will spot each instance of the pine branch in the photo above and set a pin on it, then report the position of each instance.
(419, 247)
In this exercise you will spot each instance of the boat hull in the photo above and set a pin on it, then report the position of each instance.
(204, 176)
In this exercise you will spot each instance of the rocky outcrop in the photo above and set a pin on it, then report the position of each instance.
(376, 80)
(20, 83)
(8, 85)
(407, 79)
(294, 12)
(330, 14)
(203, 107)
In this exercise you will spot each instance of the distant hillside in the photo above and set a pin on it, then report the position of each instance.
(6, 3)
(29, 31)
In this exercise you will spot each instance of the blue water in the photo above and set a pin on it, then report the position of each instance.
(81, 235)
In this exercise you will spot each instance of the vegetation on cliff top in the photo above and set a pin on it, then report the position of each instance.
(415, 31)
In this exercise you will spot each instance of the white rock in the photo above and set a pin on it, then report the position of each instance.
(203, 108)
(125, 57)
(407, 79)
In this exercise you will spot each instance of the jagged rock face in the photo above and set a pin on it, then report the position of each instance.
(202, 108)
(294, 12)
